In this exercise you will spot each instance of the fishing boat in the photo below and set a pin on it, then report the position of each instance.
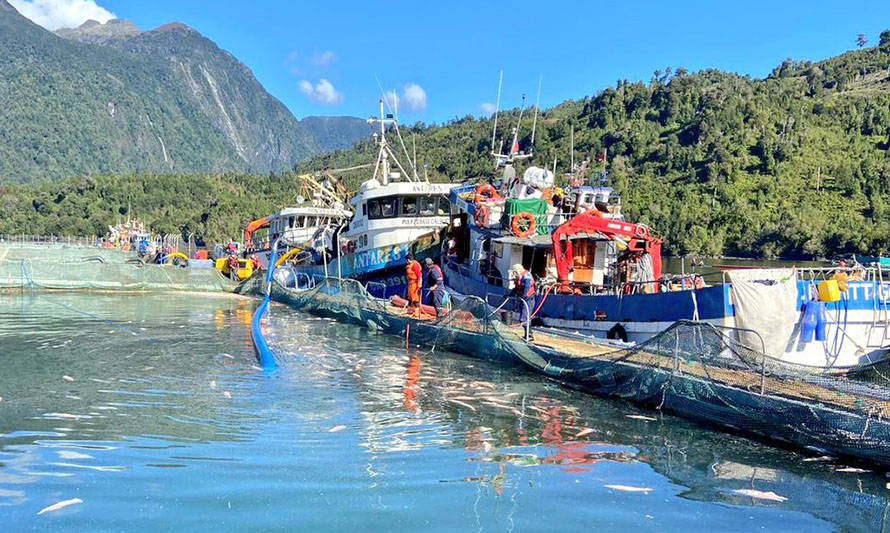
(601, 275)
(311, 222)
(395, 211)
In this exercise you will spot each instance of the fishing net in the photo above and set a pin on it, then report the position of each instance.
(693, 369)
(58, 267)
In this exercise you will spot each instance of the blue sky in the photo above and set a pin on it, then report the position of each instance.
(453, 50)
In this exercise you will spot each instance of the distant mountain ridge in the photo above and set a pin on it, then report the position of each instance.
(110, 98)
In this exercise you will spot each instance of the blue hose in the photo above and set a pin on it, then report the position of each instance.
(265, 355)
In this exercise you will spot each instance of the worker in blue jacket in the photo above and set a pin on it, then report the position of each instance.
(436, 283)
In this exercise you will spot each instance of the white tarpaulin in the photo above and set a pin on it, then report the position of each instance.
(765, 301)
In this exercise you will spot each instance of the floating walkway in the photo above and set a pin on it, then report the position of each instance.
(693, 369)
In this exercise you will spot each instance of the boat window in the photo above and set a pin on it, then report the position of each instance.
(409, 206)
(383, 208)
(373, 209)
(444, 206)
(428, 206)
(290, 222)
(364, 209)
(389, 207)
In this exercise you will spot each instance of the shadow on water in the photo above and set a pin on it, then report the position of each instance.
(165, 392)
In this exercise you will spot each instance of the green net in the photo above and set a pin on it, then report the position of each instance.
(72, 268)
(692, 369)
(537, 207)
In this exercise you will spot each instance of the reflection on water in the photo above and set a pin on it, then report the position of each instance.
(151, 410)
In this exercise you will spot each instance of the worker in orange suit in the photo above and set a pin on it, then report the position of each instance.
(415, 280)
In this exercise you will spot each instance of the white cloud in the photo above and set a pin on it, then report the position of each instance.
(414, 97)
(55, 14)
(488, 108)
(323, 92)
(323, 59)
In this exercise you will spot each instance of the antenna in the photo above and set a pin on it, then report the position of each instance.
(515, 145)
(537, 104)
(572, 148)
(497, 107)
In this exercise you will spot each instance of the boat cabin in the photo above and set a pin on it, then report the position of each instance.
(397, 212)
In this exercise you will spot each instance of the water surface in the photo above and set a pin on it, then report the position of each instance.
(150, 409)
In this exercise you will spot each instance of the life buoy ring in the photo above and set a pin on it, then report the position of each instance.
(486, 192)
(481, 215)
(641, 231)
(523, 224)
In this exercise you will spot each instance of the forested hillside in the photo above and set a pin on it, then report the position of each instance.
(794, 165)
(110, 98)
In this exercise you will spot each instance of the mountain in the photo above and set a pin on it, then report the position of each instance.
(792, 165)
(109, 98)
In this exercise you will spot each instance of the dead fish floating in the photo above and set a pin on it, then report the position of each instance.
(761, 495)
(336, 429)
(852, 470)
(628, 488)
(641, 417)
(584, 432)
(60, 505)
(462, 404)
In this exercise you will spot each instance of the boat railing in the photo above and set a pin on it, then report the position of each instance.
(528, 315)
(377, 284)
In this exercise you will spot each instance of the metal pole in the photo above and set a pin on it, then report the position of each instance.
(339, 253)
(324, 255)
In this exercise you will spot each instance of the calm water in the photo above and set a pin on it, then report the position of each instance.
(160, 421)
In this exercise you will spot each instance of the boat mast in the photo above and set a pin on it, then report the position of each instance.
(383, 168)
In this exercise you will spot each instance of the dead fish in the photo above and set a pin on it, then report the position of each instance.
(227, 394)
(583, 432)
(67, 378)
(538, 409)
(60, 505)
(213, 384)
(627, 488)
(641, 417)
(761, 495)
(852, 470)
(336, 429)
(820, 458)
(458, 402)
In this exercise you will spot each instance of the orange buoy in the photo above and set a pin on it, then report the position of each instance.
(523, 224)
(486, 192)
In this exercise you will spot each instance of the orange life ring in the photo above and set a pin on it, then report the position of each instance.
(481, 215)
(594, 212)
(529, 224)
(486, 192)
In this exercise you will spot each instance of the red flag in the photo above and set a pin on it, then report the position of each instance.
(600, 158)
(515, 148)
